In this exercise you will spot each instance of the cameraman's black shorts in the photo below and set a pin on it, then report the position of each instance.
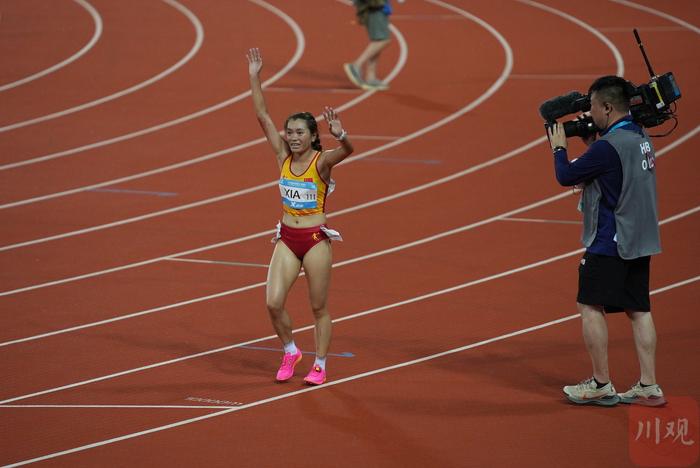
(614, 283)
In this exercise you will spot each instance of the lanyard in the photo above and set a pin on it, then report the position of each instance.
(617, 125)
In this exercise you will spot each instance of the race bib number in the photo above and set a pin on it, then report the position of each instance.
(298, 195)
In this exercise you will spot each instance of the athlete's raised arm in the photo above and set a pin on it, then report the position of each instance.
(279, 146)
(336, 155)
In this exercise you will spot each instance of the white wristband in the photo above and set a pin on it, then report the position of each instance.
(342, 136)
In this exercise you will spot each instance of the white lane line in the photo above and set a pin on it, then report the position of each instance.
(271, 184)
(628, 29)
(199, 30)
(553, 76)
(403, 53)
(351, 378)
(341, 319)
(216, 262)
(457, 175)
(659, 13)
(314, 90)
(300, 42)
(372, 137)
(536, 220)
(97, 21)
(402, 59)
(449, 118)
(260, 284)
(121, 406)
(616, 53)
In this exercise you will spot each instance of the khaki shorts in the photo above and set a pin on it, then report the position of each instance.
(377, 26)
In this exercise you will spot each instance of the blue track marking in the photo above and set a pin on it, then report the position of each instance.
(263, 348)
(134, 192)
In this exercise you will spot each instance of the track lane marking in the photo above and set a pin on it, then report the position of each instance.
(97, 33)
(330, 384)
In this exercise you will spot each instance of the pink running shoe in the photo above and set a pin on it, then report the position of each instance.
(289, 362)
(316, 376)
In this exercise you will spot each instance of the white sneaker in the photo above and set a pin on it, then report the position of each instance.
(588, 393)
(650, 395)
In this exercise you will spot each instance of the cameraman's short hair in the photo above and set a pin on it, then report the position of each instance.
(613, 89)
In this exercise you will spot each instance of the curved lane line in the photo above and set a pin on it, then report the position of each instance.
(332, 383)
(443, 121)
(424, 240)
(403, 53)
(199, 30)
(659, 13)
(96, 19)
(378, 201)
(616, 53)
(422, 297)
(297, 55)
(399, 65)
(272, 183)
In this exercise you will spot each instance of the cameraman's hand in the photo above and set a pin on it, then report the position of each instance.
(556, 135)
(591, 138)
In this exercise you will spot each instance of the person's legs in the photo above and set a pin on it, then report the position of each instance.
(645, 392)
(595, 335)
(369, 58)
(317, 265)
(281, 275)
(377, 23)
(597, 389)
(644, 334)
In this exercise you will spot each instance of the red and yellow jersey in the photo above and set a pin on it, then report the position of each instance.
(303, 194)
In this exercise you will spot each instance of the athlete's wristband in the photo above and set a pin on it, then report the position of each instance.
(342, 135)
(558, 148)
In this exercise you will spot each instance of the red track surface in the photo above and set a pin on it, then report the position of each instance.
(165, 343)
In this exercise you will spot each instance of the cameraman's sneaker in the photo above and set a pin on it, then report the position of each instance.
(650, 395)
(354, 75)
(588, 393)
(376, 85)
(289, 362)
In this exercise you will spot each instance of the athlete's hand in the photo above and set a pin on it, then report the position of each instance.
(255, 63)
(334, 125)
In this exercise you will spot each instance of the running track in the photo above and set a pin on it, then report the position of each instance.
(137, 203)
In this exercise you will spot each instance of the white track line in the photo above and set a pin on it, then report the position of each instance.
(403, 53)
(199, 30)
(537, 220)
(96, 19)
(375, 310)
(295, 58)
(659, 13)
(402, 59)
(328, 384)
(468, 108)
(677, 142)
(595, 32)
(121, 406)
(161, 428)
(216, 262)
(260, 284)
(133, 265)
(493, 88)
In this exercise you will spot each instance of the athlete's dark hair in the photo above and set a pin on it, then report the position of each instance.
(310, 124)
(613, 89)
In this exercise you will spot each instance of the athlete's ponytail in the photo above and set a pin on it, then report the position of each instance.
(310, 124)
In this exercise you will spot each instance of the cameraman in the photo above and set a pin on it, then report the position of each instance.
(620, 232)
